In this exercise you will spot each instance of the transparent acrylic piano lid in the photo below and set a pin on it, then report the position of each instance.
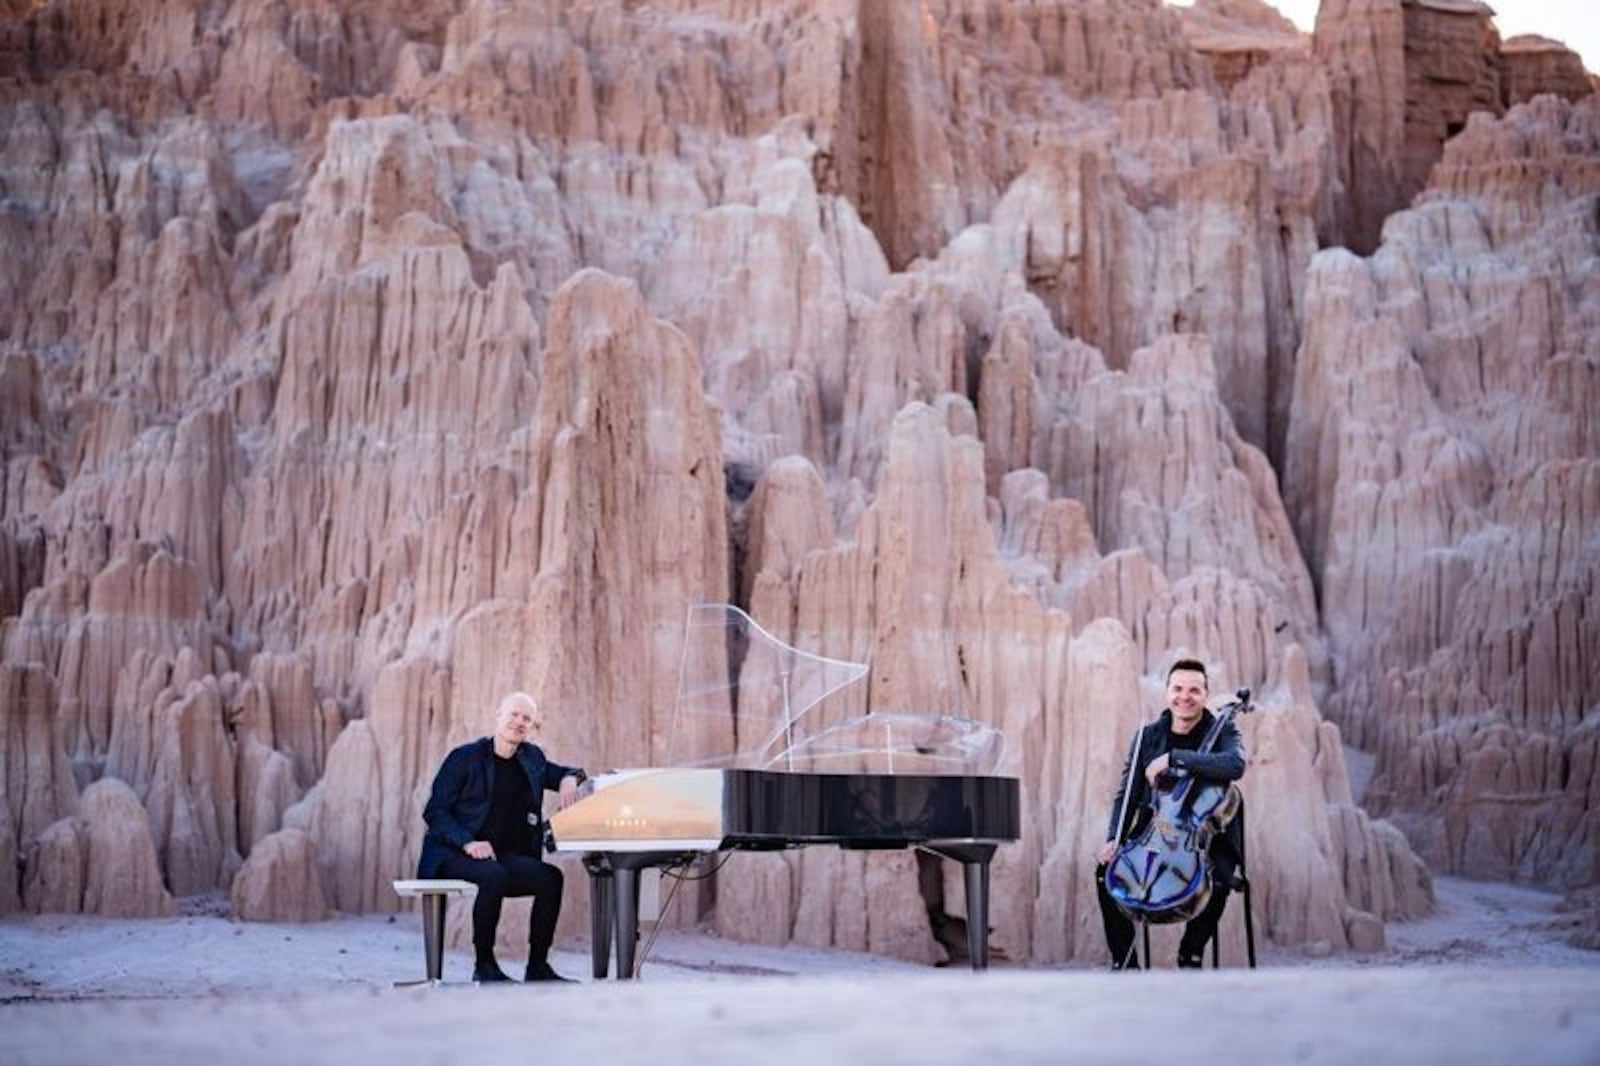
(902, 742)
(744, 696)
(749, 700)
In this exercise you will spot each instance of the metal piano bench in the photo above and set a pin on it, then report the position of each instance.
(434, 893)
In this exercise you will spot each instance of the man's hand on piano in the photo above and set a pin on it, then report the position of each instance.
(479, 849)
(567, 793)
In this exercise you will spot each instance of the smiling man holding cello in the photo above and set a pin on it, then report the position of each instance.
(1171, 846)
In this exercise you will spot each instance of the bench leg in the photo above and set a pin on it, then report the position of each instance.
(432, 940)
(433, 934)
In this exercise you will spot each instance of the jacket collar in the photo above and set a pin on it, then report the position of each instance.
(484, 749)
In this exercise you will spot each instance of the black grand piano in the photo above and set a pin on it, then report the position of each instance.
(873, 781)
(638, 819)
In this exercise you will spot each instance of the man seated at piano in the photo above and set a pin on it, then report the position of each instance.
(1170, 745)
(485, 825)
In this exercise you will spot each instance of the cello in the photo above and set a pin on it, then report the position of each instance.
(1163, 873)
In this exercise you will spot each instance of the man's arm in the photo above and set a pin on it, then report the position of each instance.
(447, 784)
(555, 774)
(565, 781)
(1225, 762)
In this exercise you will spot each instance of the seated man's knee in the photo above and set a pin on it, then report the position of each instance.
(494, 879)
(542, 879)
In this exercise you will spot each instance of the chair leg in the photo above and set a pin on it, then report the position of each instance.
(1145, 927)
(1249, 927)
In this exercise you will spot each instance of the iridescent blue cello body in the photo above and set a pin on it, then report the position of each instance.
(1163, 873)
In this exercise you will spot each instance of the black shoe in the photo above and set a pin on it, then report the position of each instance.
(541, 971)
(489, 973)
(1132, 964)
(1191, 962)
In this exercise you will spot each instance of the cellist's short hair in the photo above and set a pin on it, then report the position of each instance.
(1189, 664)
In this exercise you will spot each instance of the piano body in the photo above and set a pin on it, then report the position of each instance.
(762, 765)
(633, 819)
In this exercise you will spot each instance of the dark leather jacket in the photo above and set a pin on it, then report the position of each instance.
(463, 791)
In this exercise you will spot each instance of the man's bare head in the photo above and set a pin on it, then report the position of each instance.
(1186, 693)
(517, 717)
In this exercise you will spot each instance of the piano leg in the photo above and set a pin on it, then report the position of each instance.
(626, 891)
(600, 913)
(614, 902)
(974, 860)
(978, 912)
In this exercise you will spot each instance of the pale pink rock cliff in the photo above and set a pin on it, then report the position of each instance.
(1442, 470)
(362, 363)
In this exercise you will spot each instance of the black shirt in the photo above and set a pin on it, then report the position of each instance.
(1189, 741)
(507, 826)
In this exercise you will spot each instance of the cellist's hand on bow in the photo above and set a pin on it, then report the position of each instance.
(1157, 767)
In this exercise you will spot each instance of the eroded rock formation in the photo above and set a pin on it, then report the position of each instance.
(361, 363)
(281, 882)
(1531, 65)
(1406, 75)
(1443, 470)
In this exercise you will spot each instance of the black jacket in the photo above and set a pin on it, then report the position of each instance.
(1224, 762)
(463, 791)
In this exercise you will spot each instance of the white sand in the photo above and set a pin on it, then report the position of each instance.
(1485, 980)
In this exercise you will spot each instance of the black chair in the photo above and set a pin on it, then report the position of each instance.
(1241, 887)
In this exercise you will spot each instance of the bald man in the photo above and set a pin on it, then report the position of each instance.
(485, 826)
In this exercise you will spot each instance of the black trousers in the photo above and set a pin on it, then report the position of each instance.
(1197, 933)
(510, 875)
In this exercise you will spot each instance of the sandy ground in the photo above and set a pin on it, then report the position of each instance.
(1487, 979)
